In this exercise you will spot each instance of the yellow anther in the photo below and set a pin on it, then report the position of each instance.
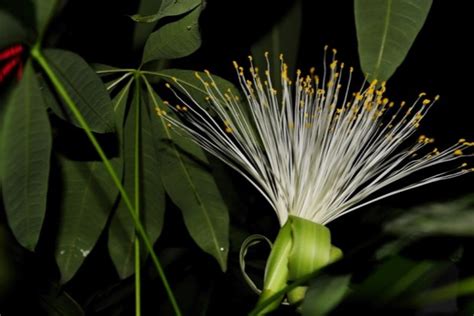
(235, 64)
(462, 140)
(228, 130)
(426, 101)
(167, 85)
(422, 94)
(457, 152)
(160, 112)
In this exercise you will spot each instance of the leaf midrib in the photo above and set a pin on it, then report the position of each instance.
(384, 38)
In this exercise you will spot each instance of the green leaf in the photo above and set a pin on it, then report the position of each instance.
(311, 250)
(85, 88)
(188, 79)
(185, 174)
(176, 39)
(88, 194)
(454, 218)
(282, 38)
(152, 196)
(26, 150)
(324, 293)
(386, 29)
(168, 8)
(44, 12)
(12, 30)
(276, 269)
(311, 247)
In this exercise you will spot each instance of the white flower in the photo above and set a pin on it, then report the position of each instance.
(315, 150)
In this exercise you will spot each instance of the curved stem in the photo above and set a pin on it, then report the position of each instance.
(61, 90)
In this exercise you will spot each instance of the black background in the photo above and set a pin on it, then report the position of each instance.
(439, 62)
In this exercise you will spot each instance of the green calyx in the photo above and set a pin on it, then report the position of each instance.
(301, 248)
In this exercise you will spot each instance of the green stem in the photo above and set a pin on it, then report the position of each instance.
(136, 159)
(61, 90)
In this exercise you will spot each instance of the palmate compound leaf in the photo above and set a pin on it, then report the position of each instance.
(176, 39)
(152, 196)
(87, 197)
(386, 29)
(25, 160)
(185, 173)
(85, 88)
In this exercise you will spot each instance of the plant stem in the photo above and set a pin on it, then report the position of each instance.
(61, 90)
(136, 159)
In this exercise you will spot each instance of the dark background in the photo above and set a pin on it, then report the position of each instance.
(438, 63)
